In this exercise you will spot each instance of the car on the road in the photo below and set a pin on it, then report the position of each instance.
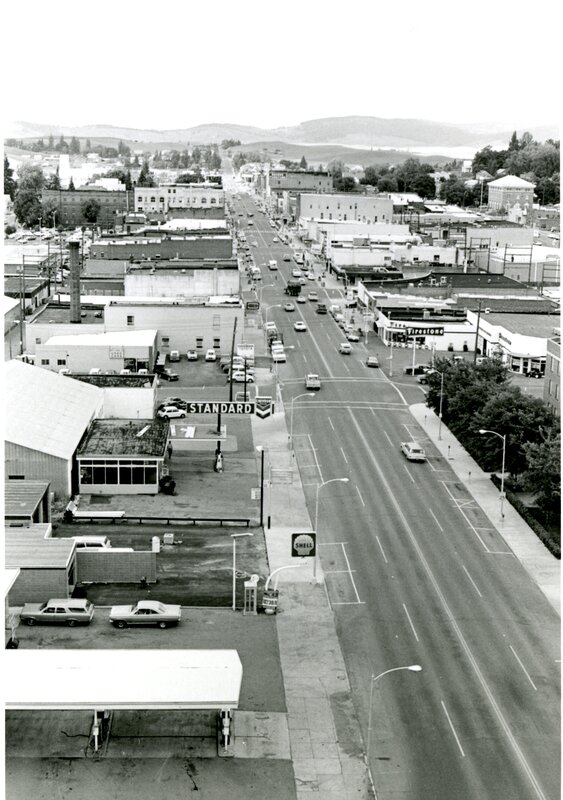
(419, 369)
(312, 381)
(211, 355)
(413, 451)
(275, 239)
(352, 336)
(424, 377)
(286, 257)
(243, 377)
(69, 612)
(372, 361)
(145, 612)
(289, 307)
(296, 272)
(310, 276)
(299, 326)
(301, 298)
(192, 355)
(345, 348)
(313, 297)
(321, 308)
(171, 412)
(168, 375)
(254, 244)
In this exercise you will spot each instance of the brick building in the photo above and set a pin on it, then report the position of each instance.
(70, 204)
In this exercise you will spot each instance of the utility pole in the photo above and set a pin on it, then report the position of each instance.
(22, 303)
(232, 356)
(477, 333)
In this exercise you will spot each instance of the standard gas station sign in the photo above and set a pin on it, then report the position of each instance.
(261, 406)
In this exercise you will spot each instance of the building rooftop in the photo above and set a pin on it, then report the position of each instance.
(111, 381)
(109, 339)
(28, 548)
(12, 284)
(44, 411)
(21, 498)
(511, 182)
(538, 325)
(129, 438)
(9, 304)
(60, 313)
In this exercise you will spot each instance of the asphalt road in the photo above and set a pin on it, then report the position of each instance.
(416, 574)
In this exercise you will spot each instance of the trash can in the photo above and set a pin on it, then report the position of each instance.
(270, 601)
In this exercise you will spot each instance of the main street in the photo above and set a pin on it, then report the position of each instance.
(416, 574)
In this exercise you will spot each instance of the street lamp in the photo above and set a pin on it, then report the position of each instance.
(234, 537)
(260, 289)
(293, 399)
(503, 437)
(374, 678)
(277, 305)
(261, 451)
(319, 487)
(441, 374)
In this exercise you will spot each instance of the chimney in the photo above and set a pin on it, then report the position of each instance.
(74, 281)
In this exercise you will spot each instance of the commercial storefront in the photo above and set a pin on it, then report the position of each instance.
(520, 339)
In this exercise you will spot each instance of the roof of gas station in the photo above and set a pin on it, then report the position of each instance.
(122, 679)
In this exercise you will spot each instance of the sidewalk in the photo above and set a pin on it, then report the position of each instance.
(543, 568)
(325, 741)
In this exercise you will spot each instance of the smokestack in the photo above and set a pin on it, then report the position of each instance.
(74, 280)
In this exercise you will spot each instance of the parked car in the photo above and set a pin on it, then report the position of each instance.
(174, 355)
(92, 542)
(179, 402)
(69, 611)
(192, 355)
(168, 375)
(352, 336)
(286, 257)
(419, 369)
(241, 377)
(372, 361)
(170, 412)
(145, 612)
(413, 451)
(310, 276)
(300, 326)
(424, 377)
(211, 355)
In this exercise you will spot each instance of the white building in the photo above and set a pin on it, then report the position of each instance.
(133, 350)
(509, 190)
(356, 207)
(520, 339)
(45, 417)
(178, 195)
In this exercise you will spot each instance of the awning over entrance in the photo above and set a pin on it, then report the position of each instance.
(122, 679)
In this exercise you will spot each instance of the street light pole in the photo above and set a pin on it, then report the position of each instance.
(503, 437)
(293, 399)
(261, 450)
(319, 487)
(374, 678)
(234, 537)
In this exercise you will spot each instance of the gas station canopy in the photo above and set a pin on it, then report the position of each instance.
(122, 679)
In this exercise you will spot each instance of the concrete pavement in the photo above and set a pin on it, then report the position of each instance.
(542, 567)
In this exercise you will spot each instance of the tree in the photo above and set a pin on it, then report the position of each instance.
(9, 182)
(51, 144)
(344, 184)
(145, 176)
(424, 186)
(50, 212)
(303, 163)
(88, 146)
(196, 155)
(543, 475)
(27, 207)
(74, 146)
(31, 178)
(62, 145)
(71, 186)
(387, 184)
(91, 210)
(54, 181)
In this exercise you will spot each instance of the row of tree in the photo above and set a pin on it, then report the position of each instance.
(198, 157)
(71, 147)
(477, 397)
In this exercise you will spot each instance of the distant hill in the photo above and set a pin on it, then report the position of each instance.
(353, 131)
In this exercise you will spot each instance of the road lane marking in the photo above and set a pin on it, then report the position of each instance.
(410, 622)
(472, 581)
(436, 520)
(350, 571)
(348, 603)
(538, 791)
(408, 473)
(337, 571)
(331, 544)
(316, 459)
(388, 438)
(524, 670)
(344, 455)
(452, 727)
(360, 496)
(473, 528)
(330, 423)
(382, 550)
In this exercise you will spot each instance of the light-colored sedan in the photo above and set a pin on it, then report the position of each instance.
(299, 326)
(240, 377)
(66, 611)
(145, 612)
(313, 297)
(211, 355)
(413, 451)
(170, 412)
(192, 355)
(289, 307)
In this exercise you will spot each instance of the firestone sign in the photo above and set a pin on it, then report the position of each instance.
(425, 331)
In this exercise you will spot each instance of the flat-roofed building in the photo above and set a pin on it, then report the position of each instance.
(366, 208)
(188, 197)
(552, 385)
(26, 502)
(116, 350)
(46, 566)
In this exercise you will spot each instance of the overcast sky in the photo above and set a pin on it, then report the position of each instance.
(182, 63)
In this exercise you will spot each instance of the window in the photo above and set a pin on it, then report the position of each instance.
(216, 343)
(199, 342)
(45, 362)
(61, 362)
(38, 341)
(130, 320)
(166, 341)
(216, 320)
